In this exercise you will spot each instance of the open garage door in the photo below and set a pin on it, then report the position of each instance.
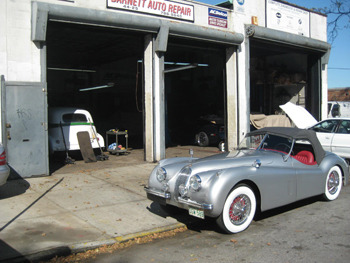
(24, 114)
(98, 69)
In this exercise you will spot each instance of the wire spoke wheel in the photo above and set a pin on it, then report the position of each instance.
(334, 183)
(239, 210)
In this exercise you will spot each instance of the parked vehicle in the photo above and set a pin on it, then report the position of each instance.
(333, 133)
(272, 167)
(211, 131)
(65, 123)
(4, 168)
(338, 109)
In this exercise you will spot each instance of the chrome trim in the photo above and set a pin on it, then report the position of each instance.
(157, 192)
(194, 203)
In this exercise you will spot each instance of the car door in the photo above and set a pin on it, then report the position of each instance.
(325, 132)
(309, 173)
(309, 180)
(341, 139)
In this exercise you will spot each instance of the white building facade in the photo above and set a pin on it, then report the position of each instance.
(169, 58)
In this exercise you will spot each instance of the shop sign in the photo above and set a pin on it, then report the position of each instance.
(239, 6)
(155, 7)
(217, 17)
(287, 18)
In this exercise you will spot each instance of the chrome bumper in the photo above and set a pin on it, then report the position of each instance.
(195, 204)
(157, 193)
(181, 200)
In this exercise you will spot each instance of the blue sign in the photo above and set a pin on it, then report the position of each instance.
(217, 13)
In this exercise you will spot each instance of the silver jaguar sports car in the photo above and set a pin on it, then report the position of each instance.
(271, 167)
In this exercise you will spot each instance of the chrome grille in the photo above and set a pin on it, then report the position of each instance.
(181, 179)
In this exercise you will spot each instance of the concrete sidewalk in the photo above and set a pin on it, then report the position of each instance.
(78, 210)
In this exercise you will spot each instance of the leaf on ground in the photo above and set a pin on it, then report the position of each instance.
(233, 241)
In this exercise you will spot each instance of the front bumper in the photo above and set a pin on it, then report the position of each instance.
(161, 197)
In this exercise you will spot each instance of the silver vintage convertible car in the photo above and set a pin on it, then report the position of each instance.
(271, 167)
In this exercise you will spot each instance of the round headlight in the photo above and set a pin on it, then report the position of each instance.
(183, 190)
(195, 182)
(161, 174)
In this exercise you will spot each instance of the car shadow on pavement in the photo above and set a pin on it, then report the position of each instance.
(182, 216)
(14, 186)
(199, 225)
(280, 210)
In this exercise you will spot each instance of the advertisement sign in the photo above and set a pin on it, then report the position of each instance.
(239, 6)
(155, 7)
(217, 17)
(287, 18)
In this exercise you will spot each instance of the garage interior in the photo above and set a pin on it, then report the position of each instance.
(279, 74)
(82, 56)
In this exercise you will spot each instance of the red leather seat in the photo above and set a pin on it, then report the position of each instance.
(305, 157)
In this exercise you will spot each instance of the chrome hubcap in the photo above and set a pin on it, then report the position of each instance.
(333, 182)
(240, 209)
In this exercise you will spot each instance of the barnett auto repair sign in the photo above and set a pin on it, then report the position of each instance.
(155, 7)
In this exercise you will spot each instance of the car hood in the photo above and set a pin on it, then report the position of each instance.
(224, 161)
(299, 115)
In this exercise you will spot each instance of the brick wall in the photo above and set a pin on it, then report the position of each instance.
(341, 94)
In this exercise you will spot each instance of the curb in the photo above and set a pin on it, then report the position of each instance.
(82, 247)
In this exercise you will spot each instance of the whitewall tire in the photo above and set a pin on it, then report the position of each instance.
(333, 184)
(239, 210)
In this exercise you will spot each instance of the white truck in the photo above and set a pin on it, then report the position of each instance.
(338, 109)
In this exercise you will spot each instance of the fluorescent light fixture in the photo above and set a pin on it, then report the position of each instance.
(193, 65)
(181, 64)
(72, 69)
(99, 87)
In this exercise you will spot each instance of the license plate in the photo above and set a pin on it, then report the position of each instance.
(196, 212)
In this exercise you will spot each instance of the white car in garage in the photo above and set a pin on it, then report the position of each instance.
(64, 125)
(333, 133)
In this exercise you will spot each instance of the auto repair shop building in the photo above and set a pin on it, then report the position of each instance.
(170, 63)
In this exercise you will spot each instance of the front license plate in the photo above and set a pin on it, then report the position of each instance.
(196, 212)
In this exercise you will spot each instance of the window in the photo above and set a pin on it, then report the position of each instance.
(72, 117)
(327, 126)
(344, 127)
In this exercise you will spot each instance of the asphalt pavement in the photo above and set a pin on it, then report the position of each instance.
(82, 206)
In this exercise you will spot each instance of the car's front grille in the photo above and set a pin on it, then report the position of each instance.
(181, 179)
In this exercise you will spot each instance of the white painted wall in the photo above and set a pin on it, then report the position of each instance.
(20, 57)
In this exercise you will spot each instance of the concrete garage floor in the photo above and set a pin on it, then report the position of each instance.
(134, 156)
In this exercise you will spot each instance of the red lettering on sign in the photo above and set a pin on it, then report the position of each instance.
(170, 8)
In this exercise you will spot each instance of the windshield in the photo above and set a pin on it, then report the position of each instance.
(250, 143)
(277, 143)
(266, 142)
